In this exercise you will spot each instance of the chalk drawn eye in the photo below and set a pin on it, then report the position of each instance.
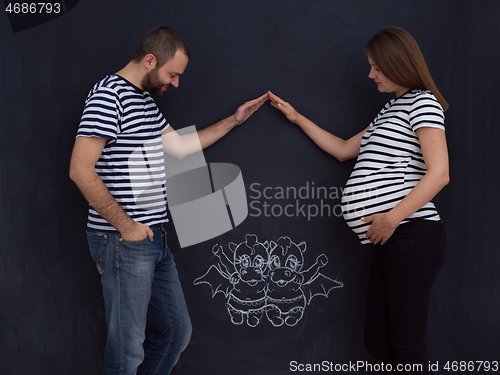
(292, 262)
(275, 261)
(258, 262)
(245, 261)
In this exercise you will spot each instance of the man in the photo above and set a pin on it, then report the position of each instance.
(146, 315)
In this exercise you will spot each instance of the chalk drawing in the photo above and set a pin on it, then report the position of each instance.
(267, 279)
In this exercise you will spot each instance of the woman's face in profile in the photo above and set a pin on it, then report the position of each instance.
(383, 83)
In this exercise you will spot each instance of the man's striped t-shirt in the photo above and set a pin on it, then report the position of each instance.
(132, 163)
(390, 161)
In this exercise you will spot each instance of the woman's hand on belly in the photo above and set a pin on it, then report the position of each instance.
(380, 230)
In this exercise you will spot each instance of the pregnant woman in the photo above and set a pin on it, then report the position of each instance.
(402, 163)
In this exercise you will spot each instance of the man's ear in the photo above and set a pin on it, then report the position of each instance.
(149, 61)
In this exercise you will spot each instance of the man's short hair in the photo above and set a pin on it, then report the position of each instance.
(163, 42)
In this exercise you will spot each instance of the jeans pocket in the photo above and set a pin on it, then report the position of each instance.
(97, 246)
(139, 246)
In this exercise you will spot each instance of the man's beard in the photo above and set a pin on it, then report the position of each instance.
(152, 83)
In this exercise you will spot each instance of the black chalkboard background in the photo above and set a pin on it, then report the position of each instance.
(311, 54)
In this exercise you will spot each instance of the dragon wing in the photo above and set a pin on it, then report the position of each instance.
(217, 279)
(320, 285)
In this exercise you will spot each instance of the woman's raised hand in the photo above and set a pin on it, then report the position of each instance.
(290, 112)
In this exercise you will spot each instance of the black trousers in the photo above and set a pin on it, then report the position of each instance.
(402, 274)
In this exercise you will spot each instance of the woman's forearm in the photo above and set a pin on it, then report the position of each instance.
(425, 190)
(339, 148)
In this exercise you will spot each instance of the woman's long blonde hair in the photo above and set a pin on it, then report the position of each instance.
(397, 55)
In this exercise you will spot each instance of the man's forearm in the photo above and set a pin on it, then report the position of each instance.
(180, 146)
(99, 197)
(211, 134)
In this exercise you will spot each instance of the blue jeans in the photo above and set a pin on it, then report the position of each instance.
(146, 315)
(402, 274)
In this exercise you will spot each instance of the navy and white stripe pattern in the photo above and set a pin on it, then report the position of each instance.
(131, 164)
(390, 161)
